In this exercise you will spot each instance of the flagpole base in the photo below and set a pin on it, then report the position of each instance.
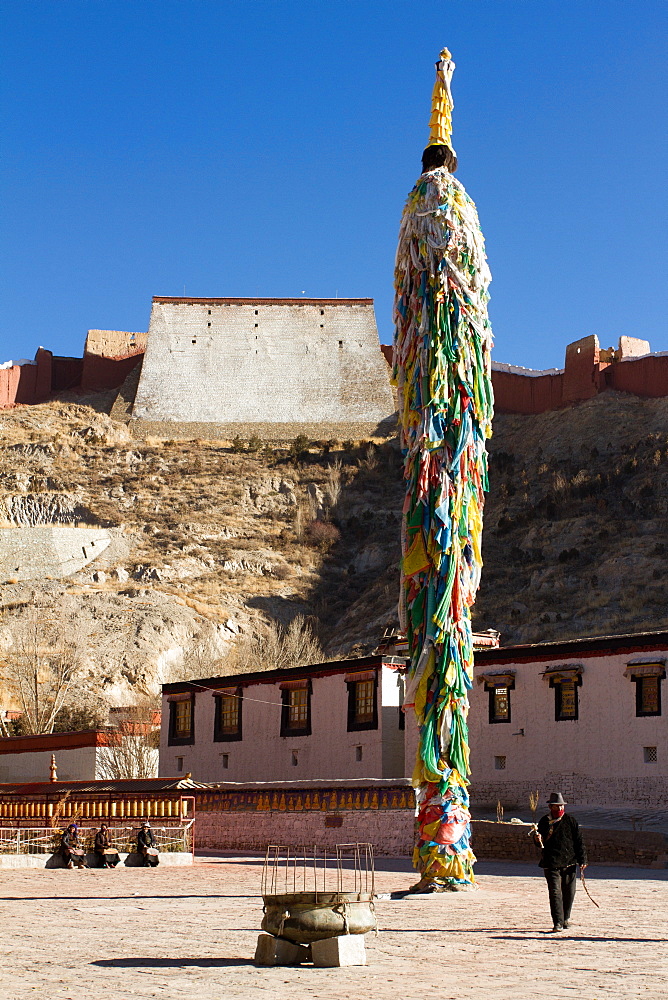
(427, 886)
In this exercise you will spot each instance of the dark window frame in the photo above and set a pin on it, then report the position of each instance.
(286, 728)
(638, 681)
(558, 710)
(353, 725)
(181, 741)
(219, 736)
(492, 688)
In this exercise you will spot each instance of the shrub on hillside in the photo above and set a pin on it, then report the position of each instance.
(322, 534)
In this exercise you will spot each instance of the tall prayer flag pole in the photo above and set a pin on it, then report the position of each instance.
(442, 368)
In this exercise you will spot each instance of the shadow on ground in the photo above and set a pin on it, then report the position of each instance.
(518, 936)
(170, 963)
(138, 898)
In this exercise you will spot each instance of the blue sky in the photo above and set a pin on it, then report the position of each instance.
(266, 148)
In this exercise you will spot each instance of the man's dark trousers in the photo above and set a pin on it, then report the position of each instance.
(561, 883)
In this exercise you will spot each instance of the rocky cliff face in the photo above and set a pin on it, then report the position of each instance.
(207, 539)
(575, 540)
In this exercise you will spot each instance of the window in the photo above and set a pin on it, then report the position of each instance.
(565, 697)
(566, 700)
(179, 764)
(225, 760)
(648, 695)
(362, 700)
(649, 755)
(565, 679)
(227, 717)
(499, 704)
(358, 753)
(182, 718)
(298, 709)
(181, 721)
(295, 758)
(365, 692)
(647, 678)
(500, 763)
(499, 686)
(296, 714)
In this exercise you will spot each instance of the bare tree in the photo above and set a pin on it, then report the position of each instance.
(48, 649)
(198, 661)
(273, 647)
(132, 747)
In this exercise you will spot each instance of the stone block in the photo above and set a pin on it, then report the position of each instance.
(272, 950)
(336, 952)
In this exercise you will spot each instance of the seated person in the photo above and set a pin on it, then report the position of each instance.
(107, 855)
(147, 846)
(72, 849)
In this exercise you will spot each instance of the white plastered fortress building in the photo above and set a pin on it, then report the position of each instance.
(270, 367)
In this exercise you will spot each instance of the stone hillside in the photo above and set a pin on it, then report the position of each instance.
(205, 540)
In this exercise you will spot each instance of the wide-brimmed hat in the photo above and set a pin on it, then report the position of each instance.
(556, 799)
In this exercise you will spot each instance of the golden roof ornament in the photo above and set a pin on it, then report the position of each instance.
(442, 104)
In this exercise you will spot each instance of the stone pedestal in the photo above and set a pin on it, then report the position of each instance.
(278, 951)
(348, 949)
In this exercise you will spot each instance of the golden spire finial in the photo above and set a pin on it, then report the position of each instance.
(440, 123)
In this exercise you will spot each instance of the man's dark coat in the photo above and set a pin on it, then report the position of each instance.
(145, 839)
(564, 846)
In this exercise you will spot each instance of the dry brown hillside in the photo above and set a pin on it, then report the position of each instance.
(211, 538)
(208, 538)
(576, 528)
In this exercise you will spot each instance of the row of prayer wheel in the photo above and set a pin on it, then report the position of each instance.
(92, 808)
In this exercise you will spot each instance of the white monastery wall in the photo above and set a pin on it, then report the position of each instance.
(79, 764)
(329, 752)
(607, 756)
(275, 362)
(598, 758)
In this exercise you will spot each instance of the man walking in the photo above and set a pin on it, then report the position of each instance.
(562, 850)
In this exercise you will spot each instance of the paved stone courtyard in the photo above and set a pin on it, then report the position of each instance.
(191, 932)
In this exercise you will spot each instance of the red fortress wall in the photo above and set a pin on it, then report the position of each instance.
(588, 370)
(107, 373)
(643, 377)
(110, 355)
(27, 383)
